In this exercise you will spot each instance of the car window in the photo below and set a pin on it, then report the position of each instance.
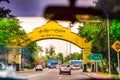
(65, 66)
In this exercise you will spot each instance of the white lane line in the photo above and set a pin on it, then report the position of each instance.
(60, 77)
(37, 74)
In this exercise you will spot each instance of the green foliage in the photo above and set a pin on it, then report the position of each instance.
(32, 47)
(9, 28)
(66, 62)
(67, 58)
(114, 36)
(45, 58)
(30, 52)
(76, 56)
(97, 33)
(60, 56)
(89, 30)
(40, 49)
(115, 30)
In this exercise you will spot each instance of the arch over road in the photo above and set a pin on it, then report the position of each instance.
(52, 30)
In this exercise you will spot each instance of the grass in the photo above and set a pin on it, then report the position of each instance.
(2, 69)
(25, 69)
(105, 74)
(116, 76)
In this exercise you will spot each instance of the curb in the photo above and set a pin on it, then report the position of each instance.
(99, 76)
(24, 71)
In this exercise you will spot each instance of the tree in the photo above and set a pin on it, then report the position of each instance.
(97, 33)
(114, 36)
(75, 56)
(30, 51)
(99, 40)
(67, 58)
(46, 51)
(115, 30)
(10, 28)
(111, 7)
(5, 13)
(50, 51)
(60, 56)
(39, 48)
(3, 54)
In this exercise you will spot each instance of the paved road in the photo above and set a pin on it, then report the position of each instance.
(53, 74)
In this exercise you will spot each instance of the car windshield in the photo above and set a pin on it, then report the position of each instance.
(39, 65)
(78, 37)
(64, 65)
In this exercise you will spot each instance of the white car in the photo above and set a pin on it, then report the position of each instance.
(65, 68)
(39, 67)
(75, 67)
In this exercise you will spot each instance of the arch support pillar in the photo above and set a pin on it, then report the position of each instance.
(86, 52)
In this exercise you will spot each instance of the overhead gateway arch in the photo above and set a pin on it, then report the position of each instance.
(55, 31)
(52, 30)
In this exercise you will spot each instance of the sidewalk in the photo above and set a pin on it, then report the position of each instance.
(25, 70)
(99, 76)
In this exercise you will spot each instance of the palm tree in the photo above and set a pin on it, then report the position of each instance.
(39, 49)
(50, 51)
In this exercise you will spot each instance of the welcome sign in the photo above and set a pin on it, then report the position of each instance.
(52, 30)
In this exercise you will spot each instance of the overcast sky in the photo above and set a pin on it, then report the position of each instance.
(36, 7)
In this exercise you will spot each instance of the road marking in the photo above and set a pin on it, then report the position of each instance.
(37, 74)
(61, 78)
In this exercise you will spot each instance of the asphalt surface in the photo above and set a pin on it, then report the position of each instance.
(91, 74)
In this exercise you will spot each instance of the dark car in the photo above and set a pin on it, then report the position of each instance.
(65, 68)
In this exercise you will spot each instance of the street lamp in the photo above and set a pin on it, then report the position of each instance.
(70, 26)
(108, 36)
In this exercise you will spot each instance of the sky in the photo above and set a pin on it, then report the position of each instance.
(36, 7)
(30, 13)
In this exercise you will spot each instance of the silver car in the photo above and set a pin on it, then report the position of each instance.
(65, 68)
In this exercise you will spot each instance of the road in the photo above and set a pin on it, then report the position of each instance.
(52, 74)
